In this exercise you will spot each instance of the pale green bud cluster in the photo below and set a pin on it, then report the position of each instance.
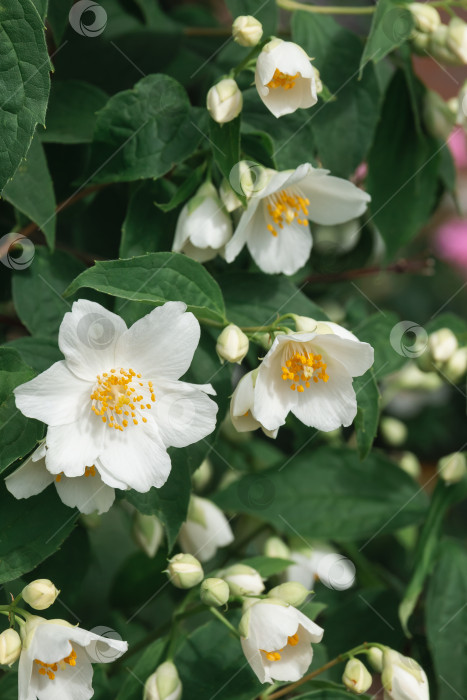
(232, 344)
(185, 571)
(444, 355)
(224, 101)
(214, 592)
(452, 468)
(356, 677)
(163, 684)
(247, 30)
(10, 647)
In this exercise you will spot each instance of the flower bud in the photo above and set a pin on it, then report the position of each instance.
(228, 196)
(202, 476)
(393, 431)
(318, 83)
(456, 39)
(247, 30)
(442, 345)
(232, 344)
(243, 580)
(439, 117)
(402, 677)
(375, 658)
(452, 468)
(276, 548)
(214, 592)
(310, 325)
(438, 47)
(293, 593)
(10, 647)
(410, 464)
(456, 367)
(356, 677)
(163, 684)
(224, 101)
(185, 571)
(147, 532)
(426, 17)
(40, 594)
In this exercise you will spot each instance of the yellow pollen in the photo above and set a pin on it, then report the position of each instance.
(283, 80)
(50, 670)
(293, 640)
(302, 367)
(58, 478)
(284, 208)
(275, 655)
(90, 471)
(114, 396)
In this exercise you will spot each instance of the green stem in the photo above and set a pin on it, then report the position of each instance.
(322, 10)
(225, 622)
(248, 59)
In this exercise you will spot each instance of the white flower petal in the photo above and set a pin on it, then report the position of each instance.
(201, 255)
(253, 656)
(209, 226)
(285, 253)
(354, 356)
(272, 624)
(87, 493)
(240, 236)
(54, 397)
(332, 199)
(314, 631)
(202, 541)
(29, 479)
(183, 413)
(273, 397)
(327, 406)
(87, 338)
(294, 662)
(73, 447)
(71, 683)
(161, 344)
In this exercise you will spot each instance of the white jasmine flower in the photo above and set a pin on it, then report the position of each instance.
(241, 406)
(205, 529)
(56, 660)
(274, 226)
(284, 78)
(88, 493)
(203, 227)
(403, 678)
(276, 640)
(310, 374)
(116, 401)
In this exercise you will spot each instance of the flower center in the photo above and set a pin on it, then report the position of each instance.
(51, 669)
(119, 395)
(283, 80)
(285, 207)
(301, 368)
(275, 655)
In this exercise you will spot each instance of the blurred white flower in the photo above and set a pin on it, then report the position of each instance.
(321, 563)
(241, 406)
(100, 411)
(203, 227)
(275, 227)
(284, 78)
(310, 374)
(276, 640)
(205, 529)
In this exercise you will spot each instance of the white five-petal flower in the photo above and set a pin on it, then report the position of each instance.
(116, 401)
(274, 226)
(203, 227)
(206, 528)
(403, 678)
(310, 374)
(56, 660)
(285, 78)
(241, 406)
(88, 493)
(276, 640)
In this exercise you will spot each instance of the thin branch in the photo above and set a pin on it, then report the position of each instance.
(421, 266)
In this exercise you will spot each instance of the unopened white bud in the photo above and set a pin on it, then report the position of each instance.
(293, 593)
(439, 116)
(426, 17)
(228, 196)
(243, 580)
(402, 677)
(442, 345)
(148, 532)
(375, 658)
(224, 101)
(276, 548)
(202, 476)
(214, 592)
(185, 571)
(393, 431)
(452, 468)
(40, 594)
(456, 39)
(410, 464)
(356, 677)
(456, 367)
(163, 684)
(310, 325)
(318, 83)
(247, 30)
(10, 647)
(232, 344)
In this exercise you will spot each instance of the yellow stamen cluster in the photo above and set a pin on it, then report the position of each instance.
(283, 80)
(275, 655)
(301, 368)
(285, 207)
(117, 396)
(51, 669)
(90, 471)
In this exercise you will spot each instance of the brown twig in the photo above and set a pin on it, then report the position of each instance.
(288, 688)
(422, 266)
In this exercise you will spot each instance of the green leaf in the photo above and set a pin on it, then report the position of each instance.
(391, 26)
(387, 336)
(145, 666)
(157, 278)
(24, 82)
(443, 498)
(446, 619)
(403, 170)
(37, 291)
(143, 132)
(329, 493)
(368, 407)
(18, 434)
(225, 143)
(31, 191)
(186, 189)
(38, 353)
(258, 299)
(71, 114)
(266, 12)
(267, 566)
(211, 664)
(344, 127)
(31, 530)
